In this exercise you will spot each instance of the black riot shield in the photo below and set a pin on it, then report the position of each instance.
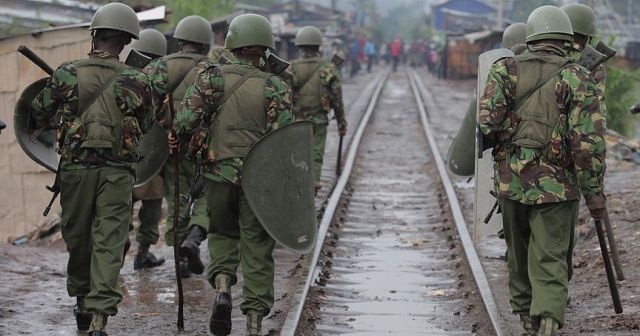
(154, 151)
(39, 146)
(277, 181)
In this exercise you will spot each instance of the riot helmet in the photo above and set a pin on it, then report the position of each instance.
(249, 30)
(151, 42)
(116, 16)
(583, 19)
(308, 36)
(516, 33)
(548, 22)
(194, 29)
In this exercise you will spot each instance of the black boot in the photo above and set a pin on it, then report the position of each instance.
(146, 260)
(190, 248)
(220, 321)
(83, 317)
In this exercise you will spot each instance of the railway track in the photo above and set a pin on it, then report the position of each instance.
(393, 255)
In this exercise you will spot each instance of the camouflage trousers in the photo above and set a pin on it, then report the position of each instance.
(199, 215)
(236, 238)
(539, 240)
(319, 141)
(96, 214)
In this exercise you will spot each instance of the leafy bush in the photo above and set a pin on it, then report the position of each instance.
(620, 96)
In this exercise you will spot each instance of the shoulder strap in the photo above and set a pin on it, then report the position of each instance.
(231, 91)
(187, 70)
(118, 69)
(542, 83)
(238, 84)
(312, 73)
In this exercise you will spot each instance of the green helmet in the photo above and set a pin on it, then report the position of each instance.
(152, 42)
(195, 29)
(249, 30)
(308, 35)
(548, 22)
(583, 20)
(516, 33)
(116, 16)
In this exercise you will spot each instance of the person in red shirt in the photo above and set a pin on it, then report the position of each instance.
(396, 50)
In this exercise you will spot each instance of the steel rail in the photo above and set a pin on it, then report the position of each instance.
(293, 317)
(479, 275)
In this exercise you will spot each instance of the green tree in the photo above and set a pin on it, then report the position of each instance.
(619, 97)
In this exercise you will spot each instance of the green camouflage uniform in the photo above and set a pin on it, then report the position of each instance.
(236, 237)
(95, 184)
(540, 188)
(330, 91)
(599, 77)
(158, 74)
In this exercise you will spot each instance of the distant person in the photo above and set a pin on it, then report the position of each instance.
(370, 52)
(383, 53)
(406, 50)
(396, 50)
(353, 56)
(317, 90)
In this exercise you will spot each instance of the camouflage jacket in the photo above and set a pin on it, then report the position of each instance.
(528, 175)
(332, 94)
(158, 75)
(57, 107)
(599, 77)
(200, 108)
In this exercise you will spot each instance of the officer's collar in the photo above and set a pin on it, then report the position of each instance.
(101, 54)
(547, 48)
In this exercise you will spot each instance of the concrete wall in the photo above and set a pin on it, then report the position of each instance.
(23, 195)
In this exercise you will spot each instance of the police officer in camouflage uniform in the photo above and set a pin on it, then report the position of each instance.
(583, 22)
(174, 73)
(103, 107)
(236, 104)
(152, 43)
(543, 163)
(316, 90)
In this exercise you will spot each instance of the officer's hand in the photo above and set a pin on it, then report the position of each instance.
(598, 214)
(172, 141)
(342, 131)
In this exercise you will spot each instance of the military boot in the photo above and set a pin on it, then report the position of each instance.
(548, 327)
(530, 324)
(190, 248)
(98, 325)
(83, 316)
(220, 322)
(254, 323)
(146, 259)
